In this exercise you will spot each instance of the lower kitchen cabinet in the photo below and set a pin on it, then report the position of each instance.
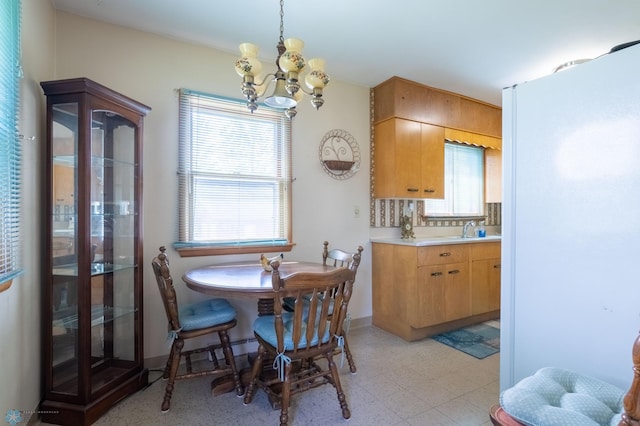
(485, 267)
(443, 294)
(419, 291)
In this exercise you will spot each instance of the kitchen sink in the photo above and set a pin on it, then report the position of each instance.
(459, 237)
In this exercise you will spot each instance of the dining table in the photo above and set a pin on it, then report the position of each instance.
(244, 280)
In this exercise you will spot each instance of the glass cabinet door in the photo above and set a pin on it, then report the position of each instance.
(64, 300)
(112, 212)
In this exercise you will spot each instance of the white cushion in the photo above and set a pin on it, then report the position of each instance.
(553, 396)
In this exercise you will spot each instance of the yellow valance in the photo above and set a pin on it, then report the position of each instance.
(475, 139)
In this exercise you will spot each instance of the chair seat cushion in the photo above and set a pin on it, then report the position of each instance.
(554, 396)
(206, 313)
(264, 327)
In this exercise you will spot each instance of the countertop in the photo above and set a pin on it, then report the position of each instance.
(436, 241)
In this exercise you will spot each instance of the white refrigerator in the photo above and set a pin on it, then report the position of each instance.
(571, 221)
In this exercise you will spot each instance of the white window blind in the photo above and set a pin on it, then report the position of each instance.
(10, 152)
(234, 173)
(463, 185)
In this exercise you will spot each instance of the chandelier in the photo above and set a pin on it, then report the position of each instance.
(290, 63)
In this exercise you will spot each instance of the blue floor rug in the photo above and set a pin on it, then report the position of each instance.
(478, 340)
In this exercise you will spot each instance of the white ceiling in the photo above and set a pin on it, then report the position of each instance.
(472, 47)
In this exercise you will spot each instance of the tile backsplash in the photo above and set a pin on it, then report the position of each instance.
(385, 213)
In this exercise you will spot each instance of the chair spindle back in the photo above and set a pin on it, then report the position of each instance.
(326, 297)
(160, 265)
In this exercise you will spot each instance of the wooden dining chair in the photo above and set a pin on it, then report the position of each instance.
(194, 320)
(296, 339)
(337, 257)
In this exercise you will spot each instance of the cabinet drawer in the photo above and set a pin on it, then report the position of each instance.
(438, 255)
(485, 250)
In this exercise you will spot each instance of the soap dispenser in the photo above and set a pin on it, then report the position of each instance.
(481, 231)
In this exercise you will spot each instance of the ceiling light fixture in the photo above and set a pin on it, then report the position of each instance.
(570, 64)
(290, 63)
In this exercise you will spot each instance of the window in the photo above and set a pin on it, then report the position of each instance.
(464, 182)
(234, 176)
(10, 154)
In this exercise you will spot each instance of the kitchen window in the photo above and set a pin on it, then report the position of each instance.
(464, 183)
(10, 152)
(234, 176)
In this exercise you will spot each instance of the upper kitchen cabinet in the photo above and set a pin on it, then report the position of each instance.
(402, 98)
(92, 335)
(409, 160)
(492, 176)
(411, 124)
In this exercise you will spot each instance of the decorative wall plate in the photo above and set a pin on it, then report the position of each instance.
(339, 154)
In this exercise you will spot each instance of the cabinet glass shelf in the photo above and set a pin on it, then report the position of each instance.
(71, 270)
(100, 314)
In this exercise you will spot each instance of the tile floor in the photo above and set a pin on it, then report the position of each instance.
(398, 383)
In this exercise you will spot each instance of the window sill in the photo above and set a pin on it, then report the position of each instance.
(217, 251)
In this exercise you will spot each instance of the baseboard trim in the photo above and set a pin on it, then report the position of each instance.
(360, 322)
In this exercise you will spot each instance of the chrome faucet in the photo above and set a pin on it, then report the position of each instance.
(466, 226)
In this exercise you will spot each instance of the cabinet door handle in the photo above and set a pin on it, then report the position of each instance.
(445, 254)
(436, 274)
(454, 271)
(430, 190)
(498, 266)
(412, 190)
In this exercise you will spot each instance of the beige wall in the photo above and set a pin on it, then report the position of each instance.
(20, 304)
(150, 68)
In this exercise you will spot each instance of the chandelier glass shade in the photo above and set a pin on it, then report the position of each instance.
(290, 65)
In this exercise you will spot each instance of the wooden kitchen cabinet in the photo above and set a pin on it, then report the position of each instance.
(443, 284)
(485, 270)
(426, 290)
(443, 294)
(400, 107)
(409, 160)
(418, 289)
(492, 176)
(401, 98)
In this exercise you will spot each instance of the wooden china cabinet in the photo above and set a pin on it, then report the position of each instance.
(92, 295)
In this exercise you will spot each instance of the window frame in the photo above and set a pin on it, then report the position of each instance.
(10, 148)
(188, 175)
(481, 175)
